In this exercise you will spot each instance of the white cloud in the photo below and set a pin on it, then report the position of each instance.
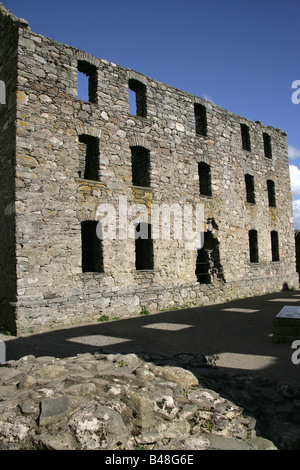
(293, 152)
(296, 211)
(208, 98)
(295, 180)
(295, 186)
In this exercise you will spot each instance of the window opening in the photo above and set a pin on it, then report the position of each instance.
(267, 145)
(91, 157)
(245, 137)
(253, 246)
(200, 119)
(137, 98)
(140, 161)
(204, 179)
(250, 193)
(92, 253)
(87, 81)
(275, 246)
(271, 193)
(143, 247)
(132, 102)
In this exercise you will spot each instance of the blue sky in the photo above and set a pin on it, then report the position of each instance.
(241, 54)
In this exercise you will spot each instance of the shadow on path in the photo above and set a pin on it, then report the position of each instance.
(237, 333)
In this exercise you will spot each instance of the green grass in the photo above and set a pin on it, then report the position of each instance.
(144, 311)
(104, 318)
(5, 331)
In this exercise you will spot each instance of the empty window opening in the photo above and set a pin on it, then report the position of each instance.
(208, 265)
(140, 161)
(89, 157)
(87, 81)
(92, 253)
(250, 193)
(143, 247)
(200, 119)
(245, 137)
(132, 102)
(267, 145)
(271, 193)
(204, 179)
(82, 86)
(137, 98)
(253, 246)
(275, 246)
(2, 92)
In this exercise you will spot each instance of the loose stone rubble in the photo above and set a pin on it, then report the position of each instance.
(111, 401)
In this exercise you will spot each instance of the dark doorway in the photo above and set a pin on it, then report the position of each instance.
(143, 247)
(92, 254)
(208, 264)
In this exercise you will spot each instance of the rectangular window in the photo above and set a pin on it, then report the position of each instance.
(250, 193)
(87, 81)
(140, 161)
(200, 119)
(91, 161)
(92, 254)
(137, 98)
(143, 247)
(271, 193)
(204, 179)
(246, 144)
(253, 246)
(267, 145)
(275, 246)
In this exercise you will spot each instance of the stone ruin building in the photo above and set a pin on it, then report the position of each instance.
(62, 157)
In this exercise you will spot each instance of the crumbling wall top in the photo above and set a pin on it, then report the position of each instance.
(7, 14)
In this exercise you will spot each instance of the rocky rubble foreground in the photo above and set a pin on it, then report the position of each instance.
(133, 402)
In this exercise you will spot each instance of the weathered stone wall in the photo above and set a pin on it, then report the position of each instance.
(53, 198)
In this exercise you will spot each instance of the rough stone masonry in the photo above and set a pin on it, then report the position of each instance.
(120, 402)
(109, 401)
(63, 156)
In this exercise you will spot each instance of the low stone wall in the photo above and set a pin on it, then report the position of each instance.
(286, 330)
(34, 315)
